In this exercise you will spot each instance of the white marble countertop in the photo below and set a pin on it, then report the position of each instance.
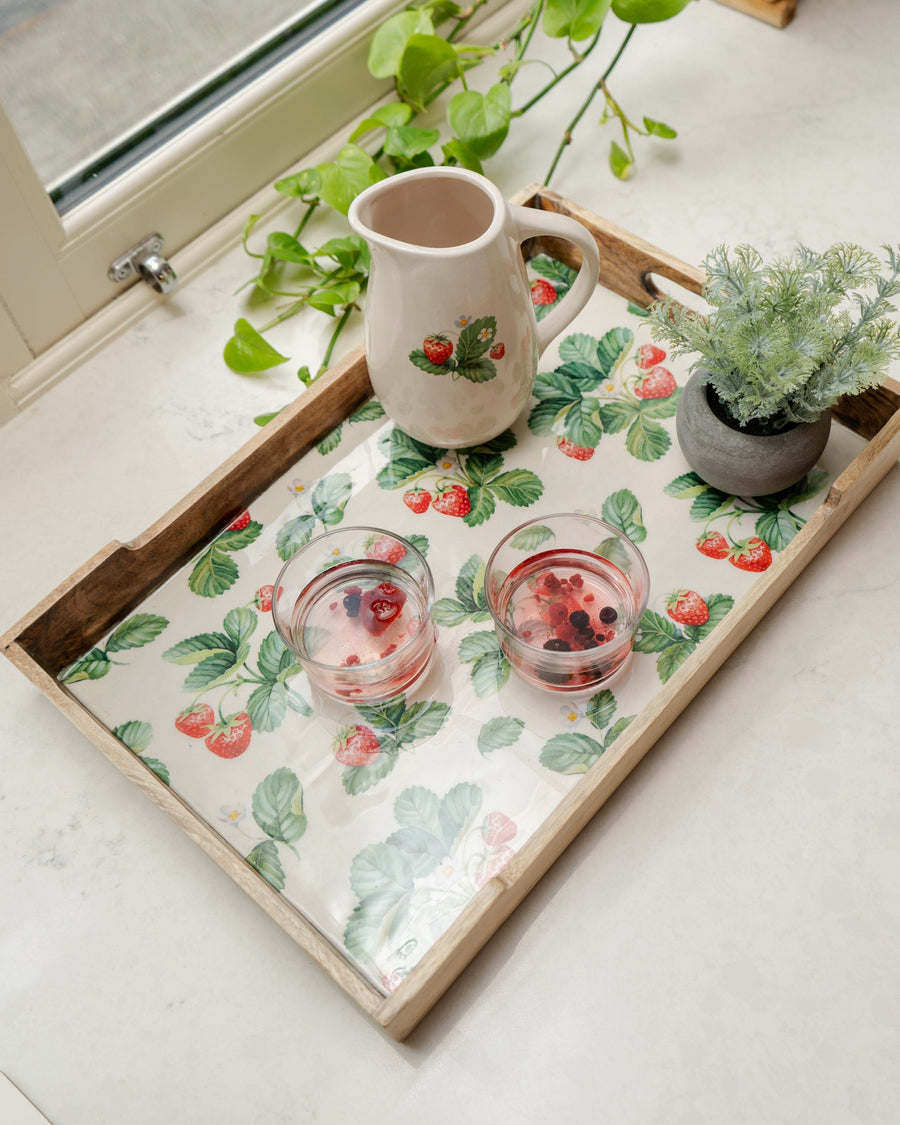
(718, 945)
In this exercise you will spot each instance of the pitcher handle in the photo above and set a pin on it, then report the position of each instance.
(530, 223)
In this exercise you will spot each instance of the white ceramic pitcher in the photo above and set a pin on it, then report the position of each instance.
(452, 343)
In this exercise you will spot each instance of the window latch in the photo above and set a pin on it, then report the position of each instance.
(145, 260)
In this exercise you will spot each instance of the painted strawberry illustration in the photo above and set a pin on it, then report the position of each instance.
(498, 351)
(240, 523)
(713, 544)
(497, 829)
(438, 348)
(195, 721)
(417, 500)
(385, 548)
(231, 737)
(658, 383)
(648, 355)
(576, 452)
(752, 554)
(542, 292)
(686, 607)
(262, 599)
(356, 746)
(452, 501)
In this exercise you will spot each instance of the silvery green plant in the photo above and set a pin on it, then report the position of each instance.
(784, 340)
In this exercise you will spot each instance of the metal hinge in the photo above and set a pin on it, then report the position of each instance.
(145, 260)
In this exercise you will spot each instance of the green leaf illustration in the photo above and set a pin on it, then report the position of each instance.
(623, 511)
(236, 540)
(330, 442)
(418, 807)
(490, 667)
(406, 458)
(530, 538)
(670, 660)
(481, 506)
(611, 347)
(380, 869)
(709, 504)
(136, 631)
(519, 487)
(647, 440)
(419, 359)
(136, 735)
(450, 612)
(502, 730)
(374, 918)
(570, 753)
(422, 849)
(480, 370)
(239, 624)
(553, 269)
(294, 535)
(278, 806)
(159, 768)
(601, 708)
(778, 527)
(214, 670)
(458, 811)
(475, 339)
(581, 424)
(579, 348)
(213, 574)
(94, 665)
(194, 649)
(661, 407)
(422, 720)
(656, 633)
(274, 657)
(266, 706)
(330, 496)
(264, 859)
(686, 487)
(617, 414)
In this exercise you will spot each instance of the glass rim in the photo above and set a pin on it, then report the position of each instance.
(356, 669)
(625, 639)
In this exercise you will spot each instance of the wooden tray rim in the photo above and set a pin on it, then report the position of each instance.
(628, 267)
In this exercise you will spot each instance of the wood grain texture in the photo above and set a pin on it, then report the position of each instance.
(778, 13)
(118, 578)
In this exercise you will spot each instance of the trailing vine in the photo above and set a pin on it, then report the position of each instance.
(421, 51)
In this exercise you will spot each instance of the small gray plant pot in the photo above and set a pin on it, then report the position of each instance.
(738, 463)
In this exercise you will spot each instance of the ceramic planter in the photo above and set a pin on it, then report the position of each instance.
(738, 463)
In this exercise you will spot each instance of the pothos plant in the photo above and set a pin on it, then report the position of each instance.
(421, 50)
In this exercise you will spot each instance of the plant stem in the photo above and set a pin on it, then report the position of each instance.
(567, 135)
(338, 328)
(558, 78)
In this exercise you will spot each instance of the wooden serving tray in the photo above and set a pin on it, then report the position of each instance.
(673, 663)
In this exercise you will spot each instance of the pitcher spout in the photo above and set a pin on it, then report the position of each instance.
(429, 210)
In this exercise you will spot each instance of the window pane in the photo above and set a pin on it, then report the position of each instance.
(92, 84)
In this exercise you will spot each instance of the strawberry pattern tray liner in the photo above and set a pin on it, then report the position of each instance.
(380, 823)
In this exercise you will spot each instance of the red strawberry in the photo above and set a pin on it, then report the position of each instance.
(649, 356)
(240, 523)
(417, 500)
(659, 383)
(497, 829)
(385, 548)
(498, 351)
(356, 746)
(687, 608)
(231, 737)
(752, 554)
(438, 348)
(380, 606)
(195, 721)
(262, 599)
(713, 544)
(576, 452)
(542, 292)
(452, 501)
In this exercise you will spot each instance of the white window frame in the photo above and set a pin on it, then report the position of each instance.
(53, 269)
